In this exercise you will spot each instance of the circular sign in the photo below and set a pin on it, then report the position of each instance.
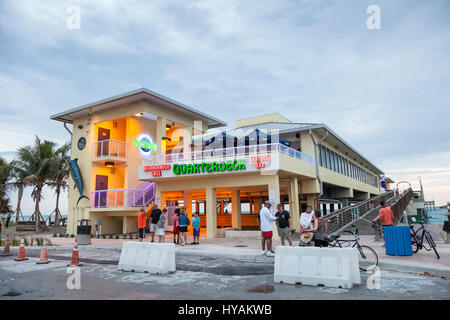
(146, 145)
(81, 143)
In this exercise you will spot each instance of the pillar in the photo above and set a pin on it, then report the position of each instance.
(236, 209)
(274, 198)
(187, 198)
(160, 133)
(124, 224)
(187, 140)
(311, 201)
(211, 214)
(294, 204)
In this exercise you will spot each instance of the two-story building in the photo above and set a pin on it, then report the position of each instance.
(141, 147)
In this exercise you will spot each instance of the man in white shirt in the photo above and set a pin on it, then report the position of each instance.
(266, 222)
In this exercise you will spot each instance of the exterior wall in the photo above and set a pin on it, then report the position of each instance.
(271, 117)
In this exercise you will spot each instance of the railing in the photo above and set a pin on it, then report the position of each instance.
(341, 218)
(110, 148)
(121, 198)
(229, 153)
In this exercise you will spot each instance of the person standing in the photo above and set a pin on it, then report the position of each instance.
(141, 224)
(196, 228)
(284, 224)
(386, 216)
(308, 224)
(183, 222)
(154, 217)
(267, 220)
(321, 232)
(161, 229)
(176, 233)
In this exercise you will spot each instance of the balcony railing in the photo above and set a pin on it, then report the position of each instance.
(229, 153)
(122, 198)
(110, 149)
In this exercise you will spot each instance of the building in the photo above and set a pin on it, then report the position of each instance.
(141, 147)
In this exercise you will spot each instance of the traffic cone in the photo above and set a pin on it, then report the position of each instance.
(44, 255)
(6, 247)
(21, 256)
(75, 258)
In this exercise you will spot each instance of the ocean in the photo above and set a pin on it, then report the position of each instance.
(437, 216)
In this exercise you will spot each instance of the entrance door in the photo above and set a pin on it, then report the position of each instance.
(103, 146)
(101, 198)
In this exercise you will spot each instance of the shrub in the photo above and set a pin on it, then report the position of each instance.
(55, 235)
(66, 235)
(25, 240)
(72, 236)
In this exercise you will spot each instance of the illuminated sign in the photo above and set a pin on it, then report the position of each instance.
(260, 161)
(145, 144)
(156, 169)
(209, 167)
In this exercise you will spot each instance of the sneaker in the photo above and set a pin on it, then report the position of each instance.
(263, 252)
(270, 254)
(192, 243)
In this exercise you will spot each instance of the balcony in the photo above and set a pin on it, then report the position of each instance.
(110, 150)
(228, 153)
(124, 198)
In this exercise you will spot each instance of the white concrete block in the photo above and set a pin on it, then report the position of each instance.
(331, 267)
(148, 257)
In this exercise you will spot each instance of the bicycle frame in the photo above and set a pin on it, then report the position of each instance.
(419, 239)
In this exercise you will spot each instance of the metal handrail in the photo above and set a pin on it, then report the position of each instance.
(229, 152)
(110, 143)
(122, 197)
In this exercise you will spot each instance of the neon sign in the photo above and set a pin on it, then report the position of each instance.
(156, 169)
(260, 161)
(208, 167)
(145, 144)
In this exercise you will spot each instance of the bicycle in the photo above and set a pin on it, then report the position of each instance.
(417, 240)
(368, 258)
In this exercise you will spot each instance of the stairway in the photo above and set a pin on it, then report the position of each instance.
(142, 195)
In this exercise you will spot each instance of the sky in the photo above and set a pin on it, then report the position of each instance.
(385, 91)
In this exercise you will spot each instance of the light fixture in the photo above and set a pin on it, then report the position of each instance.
(140, 114)
(168, 127)
(109, 164)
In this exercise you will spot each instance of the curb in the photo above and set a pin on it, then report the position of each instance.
(403, 267)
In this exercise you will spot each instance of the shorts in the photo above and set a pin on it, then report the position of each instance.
(196, 232)
(267, 234)
(284, 232)
(175, 230)
(142, 233)
(160, 232)
(182, 228)
(153, 227)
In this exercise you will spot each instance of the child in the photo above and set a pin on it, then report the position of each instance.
(176, 233)
(161, 231)
(196, 228)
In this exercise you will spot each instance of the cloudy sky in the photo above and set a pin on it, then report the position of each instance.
(385, 91)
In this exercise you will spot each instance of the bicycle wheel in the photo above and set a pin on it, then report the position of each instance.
(415, 244)
(368, 258)
(432, 244)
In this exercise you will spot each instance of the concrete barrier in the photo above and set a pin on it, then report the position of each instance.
(148, 257)
(331, 267)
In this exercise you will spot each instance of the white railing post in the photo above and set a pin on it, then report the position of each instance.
(115, 199)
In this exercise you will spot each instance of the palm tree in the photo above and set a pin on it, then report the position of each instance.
(19, 183)
(37, 163)
(59, 180)
(5, 176)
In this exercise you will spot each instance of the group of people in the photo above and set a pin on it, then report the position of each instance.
(311, 228)
(156, 225)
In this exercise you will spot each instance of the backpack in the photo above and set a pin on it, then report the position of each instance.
(188, 222)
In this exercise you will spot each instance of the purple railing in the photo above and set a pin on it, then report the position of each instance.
(120, 198)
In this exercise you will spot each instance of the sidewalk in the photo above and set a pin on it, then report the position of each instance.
(249, 250)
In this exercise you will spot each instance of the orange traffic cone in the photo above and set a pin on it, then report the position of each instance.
(44, 255)
(21, 256)
(75, 258)
(6, 247)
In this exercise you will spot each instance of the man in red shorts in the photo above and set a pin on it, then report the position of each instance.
(267, 218)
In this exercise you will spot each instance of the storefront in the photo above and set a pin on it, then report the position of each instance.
(140, 148)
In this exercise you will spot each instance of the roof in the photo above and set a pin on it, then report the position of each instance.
(284, 128)
(135, 95)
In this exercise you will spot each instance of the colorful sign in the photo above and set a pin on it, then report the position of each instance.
(260, 161)
(156, 169)
(209, 167)
(145, 144)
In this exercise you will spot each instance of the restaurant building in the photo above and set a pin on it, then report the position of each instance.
(140, 147)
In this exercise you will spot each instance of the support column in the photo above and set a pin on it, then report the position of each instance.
(188, 205)
(311, 201)
(211, 214)
(187, 140)
(160, 133)
(236, 209)
(295, 204)
(124, 224)
(274, 198)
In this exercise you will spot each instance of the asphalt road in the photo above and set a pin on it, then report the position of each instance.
(197, 278)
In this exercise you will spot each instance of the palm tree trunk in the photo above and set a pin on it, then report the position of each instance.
(57, 214)
(19, 201)
(37, 214)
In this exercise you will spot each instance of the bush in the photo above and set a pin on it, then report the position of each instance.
(66, 235)
(72, 236)
(55, 235)
(25, 240)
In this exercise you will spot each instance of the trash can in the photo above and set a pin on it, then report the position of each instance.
(84, 232)
(398, 240)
